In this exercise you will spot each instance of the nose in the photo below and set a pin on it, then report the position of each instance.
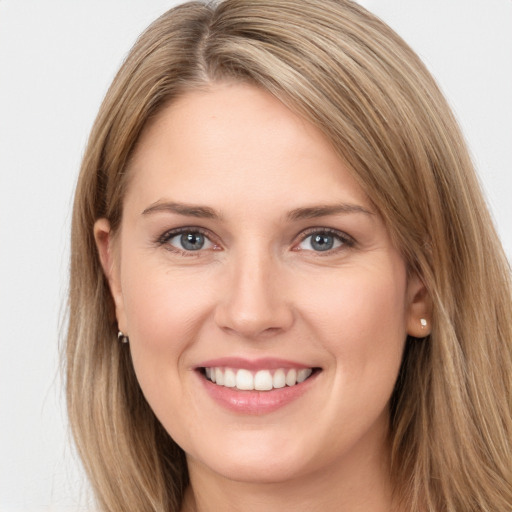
(254, 302)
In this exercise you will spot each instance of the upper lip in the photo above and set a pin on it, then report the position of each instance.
(265, 363)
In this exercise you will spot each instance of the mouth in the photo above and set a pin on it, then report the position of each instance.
(256, 387)
(243, 379)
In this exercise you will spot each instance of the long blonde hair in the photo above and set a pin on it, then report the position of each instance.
(353, 77)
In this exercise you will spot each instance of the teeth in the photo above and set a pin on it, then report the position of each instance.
(229, 378)
(302, 375)
(244, 380)
(279, 379)
(291, 377)
(262, 380)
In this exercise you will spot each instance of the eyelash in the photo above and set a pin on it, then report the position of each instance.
(163, 240)
(346, 240)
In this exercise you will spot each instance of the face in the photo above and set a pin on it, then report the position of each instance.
(249, 256)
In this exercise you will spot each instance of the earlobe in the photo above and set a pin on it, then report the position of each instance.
(104, 244)
(419, 313)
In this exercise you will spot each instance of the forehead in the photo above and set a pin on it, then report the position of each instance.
(236, 140)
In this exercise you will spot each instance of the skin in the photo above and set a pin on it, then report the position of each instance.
(259, 288)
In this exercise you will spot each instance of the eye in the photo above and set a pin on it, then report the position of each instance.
(324, 240)
(187, 240)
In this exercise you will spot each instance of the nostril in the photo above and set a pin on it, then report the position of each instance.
(262, 321)
(251, 332)
(253, 304)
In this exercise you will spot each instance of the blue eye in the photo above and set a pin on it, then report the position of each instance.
(322, 241)
(187, 241)
(192, 241)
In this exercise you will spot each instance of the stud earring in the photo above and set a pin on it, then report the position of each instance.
(423, 323)
(122, 337)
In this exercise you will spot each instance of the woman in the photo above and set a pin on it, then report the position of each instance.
(277, 214)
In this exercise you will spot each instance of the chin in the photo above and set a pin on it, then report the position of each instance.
(254, 459)
(257, 470)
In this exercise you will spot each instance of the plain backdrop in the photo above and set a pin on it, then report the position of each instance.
(57, 59)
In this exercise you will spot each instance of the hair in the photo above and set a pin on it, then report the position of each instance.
(349, 74)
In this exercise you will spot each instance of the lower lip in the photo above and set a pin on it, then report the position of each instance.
(256, 402)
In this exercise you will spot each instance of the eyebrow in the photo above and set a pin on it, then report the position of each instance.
(206, 212)
(189, 210)
(324, 210)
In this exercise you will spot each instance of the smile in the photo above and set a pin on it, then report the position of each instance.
(261, 380)
(256, 386)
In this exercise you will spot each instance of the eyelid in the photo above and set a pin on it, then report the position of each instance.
(346, 239)
(162, 239)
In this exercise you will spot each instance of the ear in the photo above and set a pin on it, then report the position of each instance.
(419, 309)
(110, 264)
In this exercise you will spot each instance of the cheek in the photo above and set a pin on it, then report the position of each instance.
(360, 321)
(366, 299)
(360, 317)
(163, 304)
(164, 312)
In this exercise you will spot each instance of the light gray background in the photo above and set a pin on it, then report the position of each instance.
(56, 61)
